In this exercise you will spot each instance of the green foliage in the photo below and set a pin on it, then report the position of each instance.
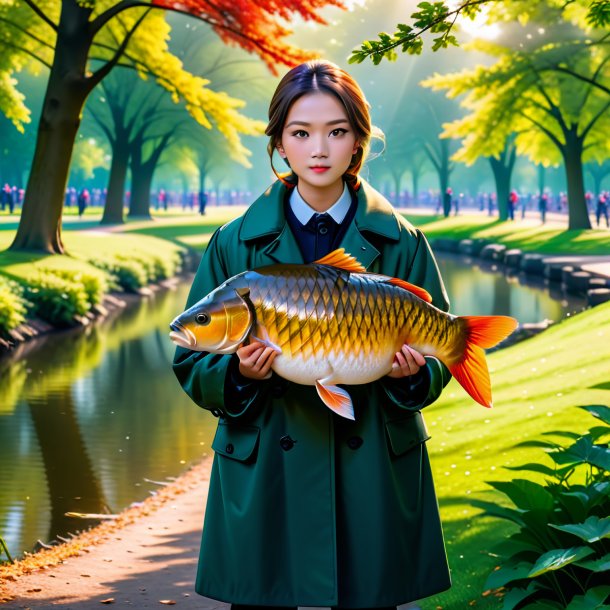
(130, 272)
(13, 306)
(440, 17)
(58, 300)
(94, 285)
(558, 557)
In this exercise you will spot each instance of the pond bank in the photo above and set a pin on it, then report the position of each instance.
(145, 555)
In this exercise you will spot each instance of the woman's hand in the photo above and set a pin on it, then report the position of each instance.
(255, 360)
(406, 362)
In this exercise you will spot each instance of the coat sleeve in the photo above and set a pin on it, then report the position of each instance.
(418, 391)
(208, 378)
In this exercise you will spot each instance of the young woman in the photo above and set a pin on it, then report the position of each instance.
(306, 508)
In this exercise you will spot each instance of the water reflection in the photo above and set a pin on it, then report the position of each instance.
(85, 416)
(479, 288)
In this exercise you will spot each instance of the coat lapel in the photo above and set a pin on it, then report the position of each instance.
(265, 217)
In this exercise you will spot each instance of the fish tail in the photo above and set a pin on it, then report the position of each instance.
(471, 371)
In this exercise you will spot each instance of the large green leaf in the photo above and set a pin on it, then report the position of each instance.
(565, 433)
(534, 467)
(525, 494)
(598, 431)
(592, 530)
(593, 598)
(504, 575)
(575, 504)
(495, 510)
(600, 411)
(515, 596)
(558, 558)
(595, 565)
(583, 451)
(538, 443)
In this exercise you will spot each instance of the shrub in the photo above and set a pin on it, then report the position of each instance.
(95, 284)
(55, 299)
(126, 274)
(558, 557)
(13, 306)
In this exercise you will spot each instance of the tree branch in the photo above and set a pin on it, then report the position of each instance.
(26, 51)
(24, 31)
(95, 78)
(594, 120)
(542, 128)
(41, 14)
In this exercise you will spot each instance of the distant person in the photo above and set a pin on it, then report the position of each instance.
(203, 201)
(447, 201)
(543, 205)
(6, 198)
(601, 209)
(83, 201)
(513, 199)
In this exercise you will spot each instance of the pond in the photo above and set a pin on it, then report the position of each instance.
(89, 420)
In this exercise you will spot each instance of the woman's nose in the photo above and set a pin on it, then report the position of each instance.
(319, 147)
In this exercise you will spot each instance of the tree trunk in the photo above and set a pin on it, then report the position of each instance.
(415, 185)
(141, 183)
(444, 172)
(40, 225)
(502, 177)
(113, 210)
(578, 215)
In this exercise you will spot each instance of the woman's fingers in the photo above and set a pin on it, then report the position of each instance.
(407, 362)
(413, 356)
(256, 362)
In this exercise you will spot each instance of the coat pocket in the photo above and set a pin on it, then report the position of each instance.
(406, 433)
(236, 441)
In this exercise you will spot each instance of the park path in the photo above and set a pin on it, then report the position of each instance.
(153, 558)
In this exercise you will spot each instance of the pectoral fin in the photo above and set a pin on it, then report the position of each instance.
(336, 399)
(265, 339)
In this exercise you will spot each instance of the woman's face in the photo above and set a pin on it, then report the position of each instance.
(318, 141)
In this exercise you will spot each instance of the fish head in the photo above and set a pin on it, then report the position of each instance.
(218, 323)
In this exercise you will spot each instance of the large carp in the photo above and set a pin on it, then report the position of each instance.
(335, 323)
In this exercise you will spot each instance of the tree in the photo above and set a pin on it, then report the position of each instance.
(441, 17)
(598, 172)
(73, 38)
(554, 115)
(502, 167)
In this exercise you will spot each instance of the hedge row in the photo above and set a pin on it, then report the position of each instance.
(64, 297)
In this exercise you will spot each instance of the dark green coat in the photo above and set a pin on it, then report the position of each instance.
(343, 512)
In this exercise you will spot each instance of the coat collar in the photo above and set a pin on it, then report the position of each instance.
(265, 217)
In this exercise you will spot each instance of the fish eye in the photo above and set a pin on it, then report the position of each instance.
(202, 318)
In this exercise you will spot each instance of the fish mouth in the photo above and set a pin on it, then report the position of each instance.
(182, 336)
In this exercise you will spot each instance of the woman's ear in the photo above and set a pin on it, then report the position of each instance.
(356, 147)
(281, 152)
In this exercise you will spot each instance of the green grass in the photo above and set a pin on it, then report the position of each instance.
(536, 386)
(546, 240)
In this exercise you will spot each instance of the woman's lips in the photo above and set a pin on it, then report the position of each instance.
(320, 170)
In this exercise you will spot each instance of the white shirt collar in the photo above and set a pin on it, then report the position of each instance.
(303, 211)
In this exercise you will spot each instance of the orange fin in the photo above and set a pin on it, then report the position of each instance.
(341, 260)
(423, 294)
(488, 331)
(472, 373)
(336, 399)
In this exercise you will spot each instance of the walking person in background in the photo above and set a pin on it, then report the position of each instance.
(513, 198)
(306, 508)
(543, 204)
(601, 209)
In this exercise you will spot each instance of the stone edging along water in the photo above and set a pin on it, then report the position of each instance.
(586, 275)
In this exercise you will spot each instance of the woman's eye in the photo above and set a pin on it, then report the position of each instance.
(300, 133)
(338, 132)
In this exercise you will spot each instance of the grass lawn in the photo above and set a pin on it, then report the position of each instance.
(536, 386)
(528, 236)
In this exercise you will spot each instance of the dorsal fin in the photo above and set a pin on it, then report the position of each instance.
(423, 294)
(341, 260)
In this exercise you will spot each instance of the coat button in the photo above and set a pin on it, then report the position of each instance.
(286, 443)
(323, 230)
(354, 442)
(229, 448)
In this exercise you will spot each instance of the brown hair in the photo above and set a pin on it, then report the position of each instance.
(324, 76)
